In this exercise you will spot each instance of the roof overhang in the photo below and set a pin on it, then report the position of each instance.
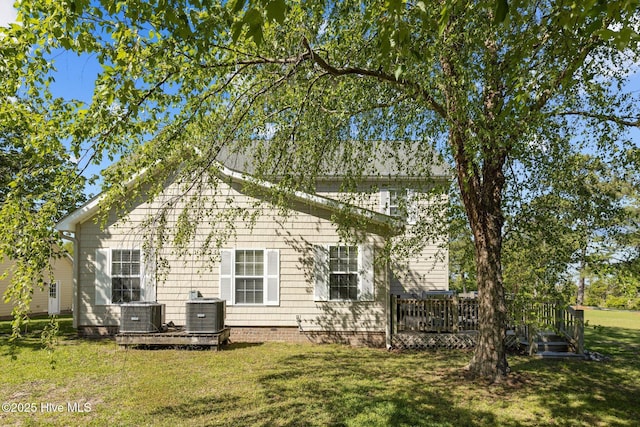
(389, 225)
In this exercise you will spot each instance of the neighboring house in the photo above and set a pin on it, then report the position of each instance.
(285, 278)
(54, 298)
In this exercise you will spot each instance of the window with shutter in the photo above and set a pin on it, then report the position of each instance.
(399, 203)
(250, 276)
(118, 276)
(344, 273)
(125, 275)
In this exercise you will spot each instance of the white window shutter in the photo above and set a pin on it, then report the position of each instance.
(226, 275)
(412, 207)
(366, 272)
(272, 277)
(321, 273)
(147, 276)
(384, 201)
(103, 277)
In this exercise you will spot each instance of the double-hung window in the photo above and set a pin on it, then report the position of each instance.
(399, 203)
(120, 277)
(396, 199)
(249, 269)
(250, 276)
(343, 272)
(125, 275)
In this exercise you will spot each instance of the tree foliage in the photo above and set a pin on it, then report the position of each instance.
(311, 86)
(39, 185)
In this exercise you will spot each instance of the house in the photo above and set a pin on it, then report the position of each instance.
(54, 298)
(284, 276)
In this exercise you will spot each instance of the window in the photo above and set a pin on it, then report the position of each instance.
(121, 275)
(125, 275)
(53, 290)
(343, 272)
(400, 203)
(249, 268)
(397, 198)
(250, 276)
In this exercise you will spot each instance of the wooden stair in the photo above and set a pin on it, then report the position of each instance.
(549, 345)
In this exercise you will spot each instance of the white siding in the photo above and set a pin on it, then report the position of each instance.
(424, 271)
(293, 237)
(62, 272)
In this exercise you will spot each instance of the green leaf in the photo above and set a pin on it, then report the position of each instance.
(253, 18)
(236, 31)
(238, 5)
(501, 10)
(276, 10)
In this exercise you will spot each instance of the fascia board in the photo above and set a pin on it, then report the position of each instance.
(69, 223)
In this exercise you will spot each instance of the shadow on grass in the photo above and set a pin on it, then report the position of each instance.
(589, 392)
(612, 341)
(344, 386)
(585, 392)
(31, 334)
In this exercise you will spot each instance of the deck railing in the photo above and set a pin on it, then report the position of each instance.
(571, 326)
(436, 314)
(453, 314)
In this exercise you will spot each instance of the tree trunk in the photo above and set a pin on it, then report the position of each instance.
(480, 156)
(481, 191)
(489, 358)
(581, 280)
(581, 285)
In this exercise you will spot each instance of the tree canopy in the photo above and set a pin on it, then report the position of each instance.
(492, 86)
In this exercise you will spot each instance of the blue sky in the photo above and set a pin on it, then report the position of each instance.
(76, 75)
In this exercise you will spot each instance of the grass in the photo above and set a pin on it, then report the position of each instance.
(299, 385)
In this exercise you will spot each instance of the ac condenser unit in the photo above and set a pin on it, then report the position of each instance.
(142, 317)
(205, 315)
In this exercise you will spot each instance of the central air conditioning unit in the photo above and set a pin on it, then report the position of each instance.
(141, 317)
(205, 315)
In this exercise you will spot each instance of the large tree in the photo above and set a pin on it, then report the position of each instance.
(39, 184)
(309, 85)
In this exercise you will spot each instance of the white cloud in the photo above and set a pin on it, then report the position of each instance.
(7, 13)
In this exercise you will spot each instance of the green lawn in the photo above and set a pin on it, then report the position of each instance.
(292, 385)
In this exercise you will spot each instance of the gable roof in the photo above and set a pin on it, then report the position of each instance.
(389, 163)
(387, 224)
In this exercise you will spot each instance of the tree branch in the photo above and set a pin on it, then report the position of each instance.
(624, 121)
(378, 74)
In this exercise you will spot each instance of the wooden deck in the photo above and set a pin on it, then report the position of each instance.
(175, 338)
(452, 322)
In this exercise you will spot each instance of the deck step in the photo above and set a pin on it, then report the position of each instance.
(555, 346)
(560, 355)
(548, 336)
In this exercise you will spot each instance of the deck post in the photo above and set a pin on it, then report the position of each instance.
(455, 313)
(579, 330)
(394, 315)
(559, 313)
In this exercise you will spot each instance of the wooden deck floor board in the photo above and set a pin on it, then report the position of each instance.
(175, 337)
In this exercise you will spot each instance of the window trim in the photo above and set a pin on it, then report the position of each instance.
(248, 276)
(410, 204)
(270, 279)
(103, 285)
(128, 276)
(349, 271)
(365, 273)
